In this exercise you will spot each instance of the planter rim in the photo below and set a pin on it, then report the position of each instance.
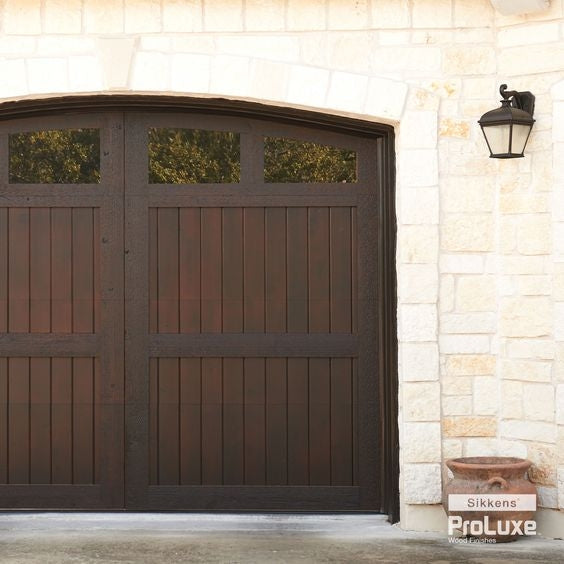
(495, 463)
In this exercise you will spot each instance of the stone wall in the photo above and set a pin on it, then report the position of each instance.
(480, 241)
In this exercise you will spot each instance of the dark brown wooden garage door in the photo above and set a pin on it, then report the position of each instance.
(197, 328)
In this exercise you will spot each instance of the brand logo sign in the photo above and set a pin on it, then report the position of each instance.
(498, 502)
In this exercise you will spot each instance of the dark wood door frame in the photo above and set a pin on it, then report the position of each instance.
(385, 224)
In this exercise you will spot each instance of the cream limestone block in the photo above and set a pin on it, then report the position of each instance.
(264, 15)
(347, 51)
(308, 86)
(465, 232)
(472, 164)
(445, 88)
(419, 62)
(316, 48)
(512, 448)
(85, 74)
(418, 167)
(418, 323)
(456, 405)
(347, 92)
(543, 349)
(535, 285)
(534, 236)
(103, 16)
(470, 365)
(274, 48)
(511, 399)
(115, 55)
(530, 59)
(226, 15)
(422, 99)
(456, 128)
(476, 293)
(47, 75)
(421, 442)
(526, 370)
(22, 17)
(418, 130)
(557, 90)
(269, 80)
(559, 321)
(419, 362)
(523, 265)
(63, 46)
(183, 16)
(14, 78)
(528, 35)
(523, 203)
(469, 60)
(486, 395)
(446, 294)
(452, 448)
(480, 447)
(456, 386)
(419, 206)
(190, 73)
(559, 362)
(421, 483)
(560, 404)
(480, 88)
(386, 98)
(560, 445)
(418, 244)
(529, 316)
(543, 457)
(462, 323)
(508, 235)
(418, 283)
(432, 13)
(306, 16)
(538, 402)
(230, 76)
(63, 16)
(473, 109)
(390, 14)
(142, 16)
(547, 497)
(461, 264)
(473, 13)
(432, 37)
(469, 426)
(398, 37)
(558, 236)
(469, 194)
(348, 15)
(17, 45)
(421, 402)
(150, 72)
(461, 344)
(158, 43)
(528, 430)
(561, 487)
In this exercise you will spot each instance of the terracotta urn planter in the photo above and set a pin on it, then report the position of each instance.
(490, 475)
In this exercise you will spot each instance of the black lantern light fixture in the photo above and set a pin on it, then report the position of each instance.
(508, 127)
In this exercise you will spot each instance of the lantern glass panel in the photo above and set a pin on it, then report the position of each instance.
(498, 138)
(519, 139)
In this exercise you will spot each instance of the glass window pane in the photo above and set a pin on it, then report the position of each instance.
(193, 156)
(292, 160)
(61, 156)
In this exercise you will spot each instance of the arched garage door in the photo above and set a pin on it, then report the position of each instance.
(191, 313)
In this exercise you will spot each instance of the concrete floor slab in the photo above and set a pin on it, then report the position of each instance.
(170, 538)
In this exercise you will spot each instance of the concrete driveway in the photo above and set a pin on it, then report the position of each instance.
(169, 538)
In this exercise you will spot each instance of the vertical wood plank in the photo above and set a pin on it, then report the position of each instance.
(319, 422)
(276, 417)
(61, 421)
(233, 422)
(83, 431)
(18, 420)
(61, 270)
(341, 275)
(190, 420)
(211, 270)
(153, 272)
(212, 456)
(3, 420)
(97, 268)
(318, 269)
(40, 420)
(232, 234)
(254, 270)
(18, 270)
(298, 422)
(297, 270)
(3, 270)
(255, 436)
(40, 270)
(167, 242)
(354, 272)
(82, 271)
(153, 421)
(169, 439)
(189, 270)
(341, 422)
(275, 259)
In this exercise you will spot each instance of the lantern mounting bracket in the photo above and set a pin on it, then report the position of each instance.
(520, 100)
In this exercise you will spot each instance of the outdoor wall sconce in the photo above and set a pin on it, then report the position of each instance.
(508, 127)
